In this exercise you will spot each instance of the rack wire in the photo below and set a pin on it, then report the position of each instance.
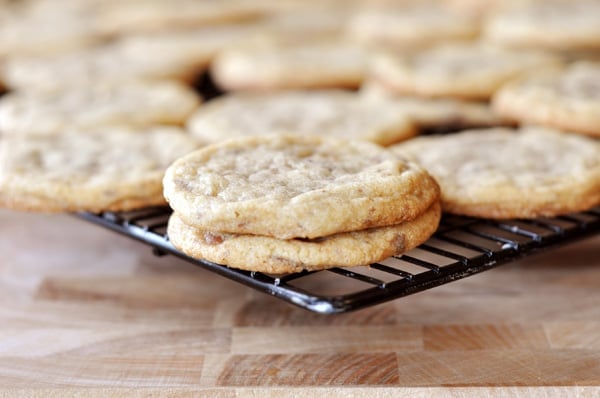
(461, 247)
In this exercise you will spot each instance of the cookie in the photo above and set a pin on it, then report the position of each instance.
(504, 173)
(457, 71)
(290, 65)
(281, 7)
(552, 24)
(438, 113)
(326, 113)
(110, 169)
(317, 22)
(132, 103)
(484, 8)
(183, 56)
(412, 25)
(276, 256)
(296, 187)
(134, 16)
(568, 99)
(77, 67)
(25, 31)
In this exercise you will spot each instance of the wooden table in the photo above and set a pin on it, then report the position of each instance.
(91, 311)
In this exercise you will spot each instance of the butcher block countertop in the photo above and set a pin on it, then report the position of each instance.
(87, 311)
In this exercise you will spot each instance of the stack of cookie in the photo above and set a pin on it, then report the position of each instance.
(287, 203)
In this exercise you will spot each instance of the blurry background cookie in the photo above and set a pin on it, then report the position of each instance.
(283, 7)
(483, 8)
(29, 30)
(568, 99)
(183, 54)
(134, 103)
(325, 113)
(504, 173)
(456, 71)
(134, 16)
(112, 168)
(179, 55)
(76, 67)
(411, 24)
(318, 22)
(552, 24)
(290, 65)
(435, 114)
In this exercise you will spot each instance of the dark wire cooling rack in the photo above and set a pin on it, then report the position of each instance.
(461, 247)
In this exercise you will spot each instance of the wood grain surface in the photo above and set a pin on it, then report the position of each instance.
(93, 312)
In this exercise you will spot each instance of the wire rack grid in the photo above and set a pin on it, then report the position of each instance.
(461, 247)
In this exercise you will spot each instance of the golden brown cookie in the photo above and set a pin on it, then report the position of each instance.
(296, 187)
(134, 103)
(504, 173)
(568, 99)
(456, 71)
(276, 256)
(325, 113)
(109, 169)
